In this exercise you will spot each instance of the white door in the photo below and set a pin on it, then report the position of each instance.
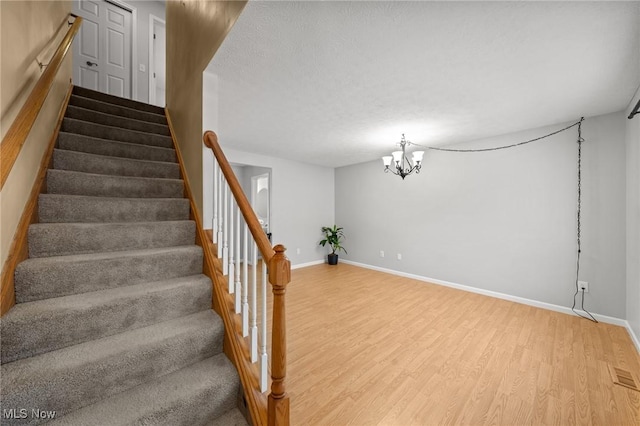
(102, 48)
(157, 62)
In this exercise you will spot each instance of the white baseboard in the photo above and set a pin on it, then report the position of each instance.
(635, 338)
(517, 299)
(304, 265)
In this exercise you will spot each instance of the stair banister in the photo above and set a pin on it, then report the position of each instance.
(279, 273)
(17, 134)
(211, 141)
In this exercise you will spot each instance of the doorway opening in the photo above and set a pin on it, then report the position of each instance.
(157, 60)
(260, 200)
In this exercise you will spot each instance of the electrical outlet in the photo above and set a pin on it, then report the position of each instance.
(298, 250)
(381, 253)
(399, 256)
(583, 286)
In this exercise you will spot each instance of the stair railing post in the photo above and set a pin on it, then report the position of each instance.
(279, 277)
(264, 366)
(215, 201)
(237, 285)
(225, 231)
(231, 279)
(219, 203)
(253, 300)
(245, 284)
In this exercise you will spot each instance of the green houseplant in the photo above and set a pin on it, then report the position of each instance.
(333, 237)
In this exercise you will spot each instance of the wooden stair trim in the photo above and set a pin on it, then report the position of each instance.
(19, 249)
(256, 401)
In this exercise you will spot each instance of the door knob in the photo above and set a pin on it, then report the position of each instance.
(92, 64)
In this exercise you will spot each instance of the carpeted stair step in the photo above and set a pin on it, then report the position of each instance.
(57, 208)
(118, 110)
(99, 185)
(73, 142)
(204, 393)
(103, 97)
(101, 131)
(117, 166)
(37, 279)
(42, 326)
(230, 418)
(63, 239)
(113, 322)
(80, 375)
(98, 117)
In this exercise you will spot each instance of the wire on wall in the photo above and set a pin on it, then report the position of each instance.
(578, 229)
(579, 211)
(636, 110)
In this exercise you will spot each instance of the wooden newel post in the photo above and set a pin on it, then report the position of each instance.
(279, 277)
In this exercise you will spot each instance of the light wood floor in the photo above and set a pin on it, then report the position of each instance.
(368, 348)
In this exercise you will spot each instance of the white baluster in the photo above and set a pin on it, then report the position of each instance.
(264, 366)
(238, 285)
(215, 201)
(254, 305)
(245, 285)
(219, 203)
(225, 231)
(232, 266)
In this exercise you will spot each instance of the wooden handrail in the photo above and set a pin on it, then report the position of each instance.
(211, 141)
(17, 134)
(279, 276)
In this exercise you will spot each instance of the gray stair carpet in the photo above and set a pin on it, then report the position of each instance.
(122, 111)
(102, 131)
(113, 322)
(116, 121)
(79, 143)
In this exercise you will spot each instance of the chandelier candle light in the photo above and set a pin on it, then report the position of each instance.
(401, 165)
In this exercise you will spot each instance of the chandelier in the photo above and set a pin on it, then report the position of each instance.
(401, 165)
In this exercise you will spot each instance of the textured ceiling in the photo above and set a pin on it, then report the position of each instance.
(336, 83)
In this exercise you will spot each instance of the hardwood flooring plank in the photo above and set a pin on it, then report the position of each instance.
(369, 348)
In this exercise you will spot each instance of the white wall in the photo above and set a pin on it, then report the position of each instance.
(502, 221)
(144, 9)
(633, 218)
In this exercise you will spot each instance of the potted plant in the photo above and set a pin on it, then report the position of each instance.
(333, 237)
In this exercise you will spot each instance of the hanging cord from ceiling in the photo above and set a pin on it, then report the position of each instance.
(634, 111)
(513, 145)
(578, 229)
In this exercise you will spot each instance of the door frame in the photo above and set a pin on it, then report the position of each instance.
(152, 64)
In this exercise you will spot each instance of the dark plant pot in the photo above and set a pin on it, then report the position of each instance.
(332, 259)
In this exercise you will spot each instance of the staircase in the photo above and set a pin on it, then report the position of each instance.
(113, 322)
